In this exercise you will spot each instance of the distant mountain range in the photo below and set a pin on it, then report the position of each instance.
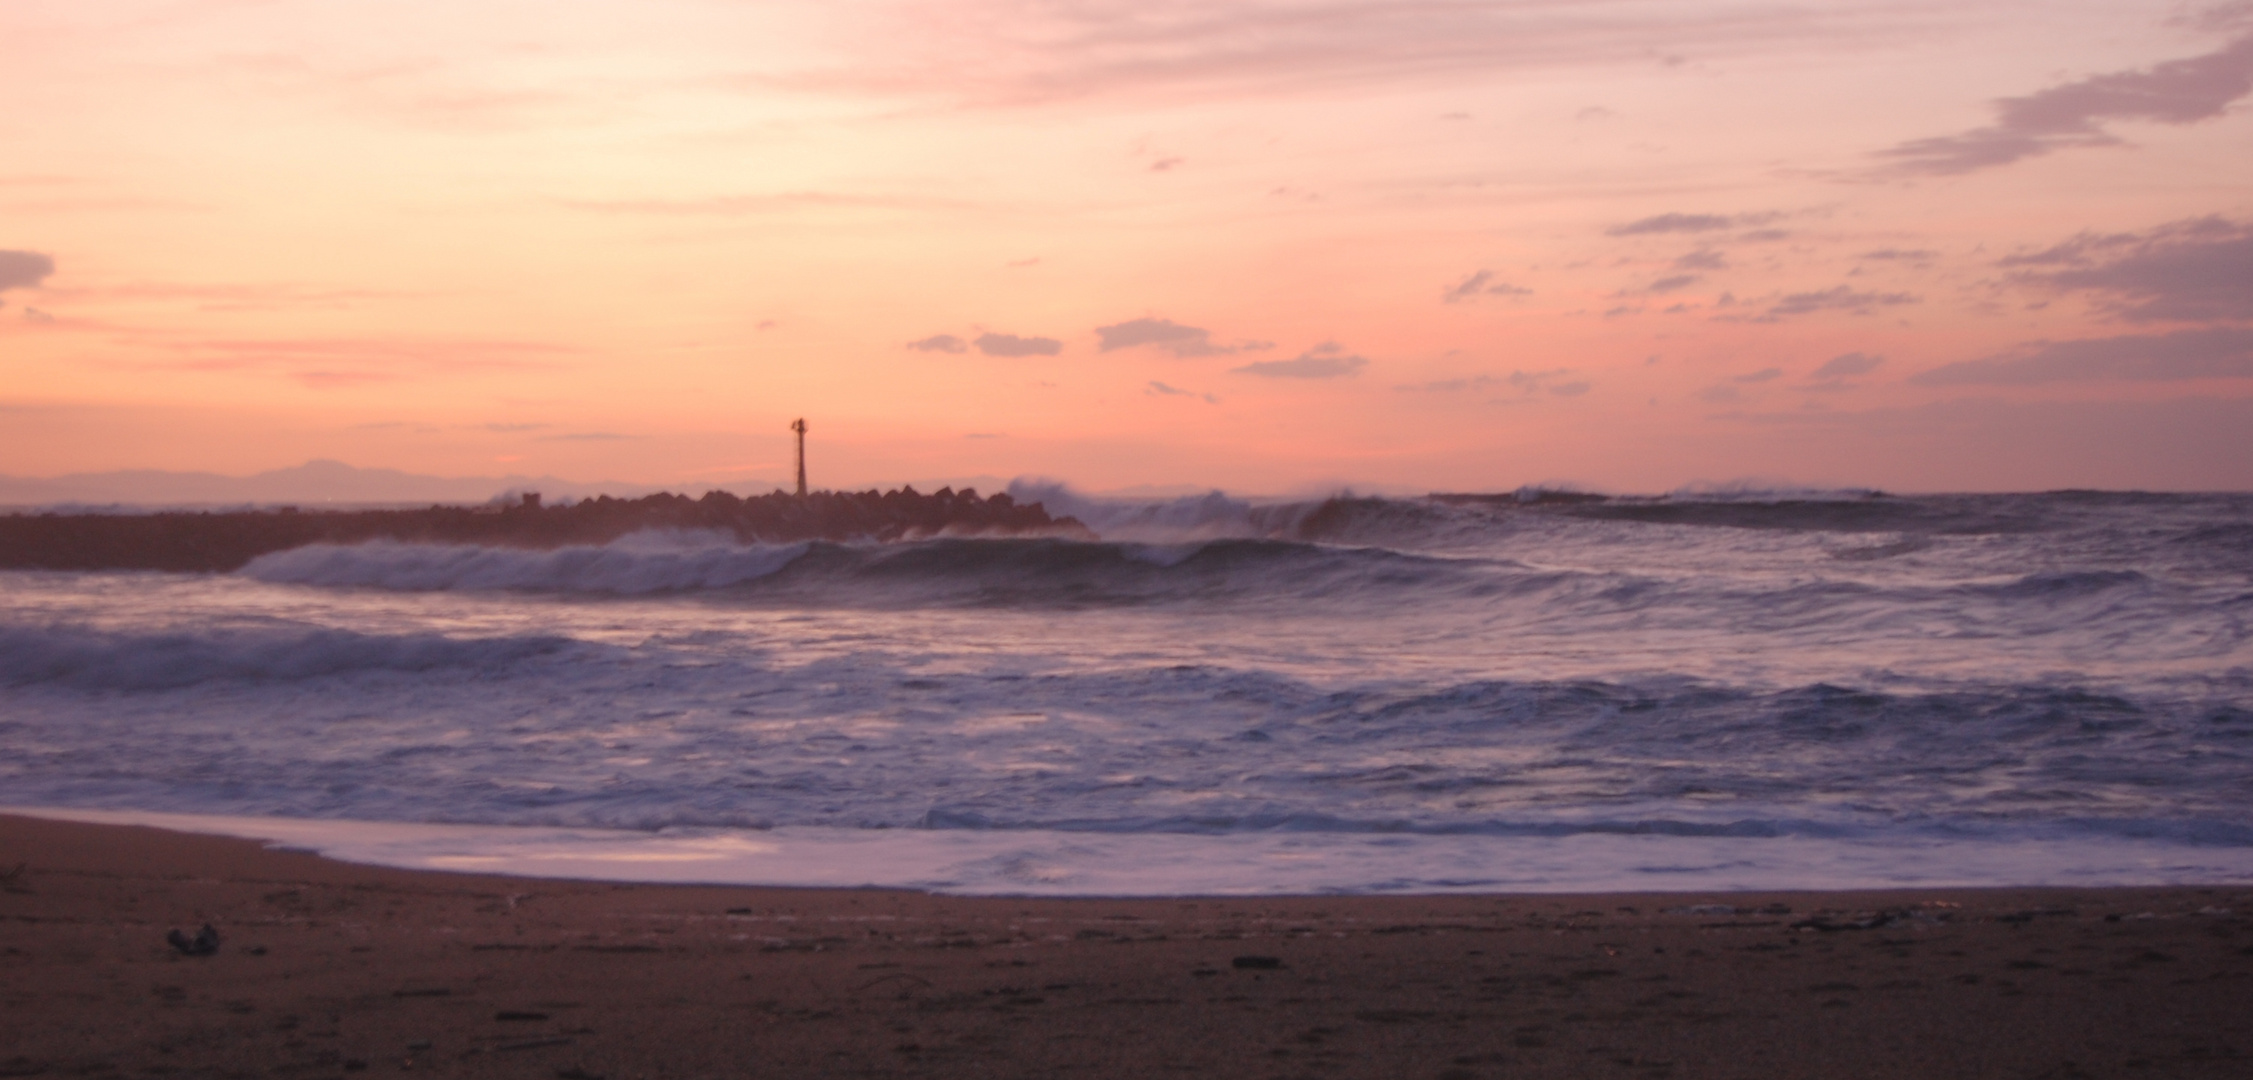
(315, 483)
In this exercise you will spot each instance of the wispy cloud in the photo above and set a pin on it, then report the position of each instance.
(2222, 352)
(1328, 360)
(24, 269)
(1146, 331)
(1166, 334)
(1480, 284)
(331, 363)
(1841, 298)
(2187, 271)
(1846, 364)
(1010, 53)
(1450, 386)
(772, 203)
(420, 90)
(1159, 389)
(2074, 114)
(236, 296)
(1689, 223)
(941, 343)
(1013, 345)
(1557, 382)
(1833, 375)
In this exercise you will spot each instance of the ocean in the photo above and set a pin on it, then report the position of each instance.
(1528, 692)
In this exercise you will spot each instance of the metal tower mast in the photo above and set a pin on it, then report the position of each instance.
(799, 426)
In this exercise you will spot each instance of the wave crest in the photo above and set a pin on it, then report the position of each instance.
(647, 562)
(981, 572)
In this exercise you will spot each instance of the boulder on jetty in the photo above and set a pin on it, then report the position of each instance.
(223, 541)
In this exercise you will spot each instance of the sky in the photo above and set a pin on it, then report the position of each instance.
(1263, 245)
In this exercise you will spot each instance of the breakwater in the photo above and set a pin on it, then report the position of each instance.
(224, 541)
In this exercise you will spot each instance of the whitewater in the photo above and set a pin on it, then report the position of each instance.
(1533, 692)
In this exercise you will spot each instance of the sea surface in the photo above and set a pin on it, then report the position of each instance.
(1525, 693)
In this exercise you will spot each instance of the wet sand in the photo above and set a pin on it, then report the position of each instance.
(329, 969)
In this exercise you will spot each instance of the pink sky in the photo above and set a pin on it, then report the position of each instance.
(1259, 245)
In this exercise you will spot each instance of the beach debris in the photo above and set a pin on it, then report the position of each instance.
(12, 880)
(904, 980)
(508, 1014)
(204, 943)
(1257, 963)
(1726, 909)
(1865, 921)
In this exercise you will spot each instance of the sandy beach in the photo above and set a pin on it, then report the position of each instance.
(325, 968)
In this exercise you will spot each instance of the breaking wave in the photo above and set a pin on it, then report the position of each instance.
(639, 563)
(1013, 572)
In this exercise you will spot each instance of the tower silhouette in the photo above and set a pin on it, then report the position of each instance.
(799, 426)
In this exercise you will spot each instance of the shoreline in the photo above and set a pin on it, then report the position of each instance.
(335, 968)
(1049, 863)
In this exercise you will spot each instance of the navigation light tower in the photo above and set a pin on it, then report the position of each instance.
(799, 426)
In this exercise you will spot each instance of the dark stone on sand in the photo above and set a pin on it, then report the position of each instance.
(1828, 925)
(1257, 963)
(204, 943)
